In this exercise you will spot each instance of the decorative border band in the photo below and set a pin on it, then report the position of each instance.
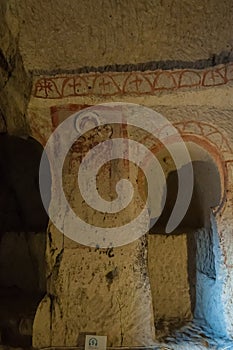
(130, 83)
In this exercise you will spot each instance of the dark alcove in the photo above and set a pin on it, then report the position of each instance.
(23, 224)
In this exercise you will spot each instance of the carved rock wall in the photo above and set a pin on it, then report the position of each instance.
(189, 81)
(202, 115)
(15, 82)
(101, 33)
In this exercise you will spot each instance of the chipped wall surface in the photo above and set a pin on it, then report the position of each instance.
(97, 291)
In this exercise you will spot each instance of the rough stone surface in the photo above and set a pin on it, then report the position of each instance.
(99, 33)
(128, 292)
(200, 117)
(91, 289)
(15, 83)
(97, 289)
(2, 124)
(169, 280)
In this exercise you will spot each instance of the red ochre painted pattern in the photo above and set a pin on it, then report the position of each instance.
(130, 83)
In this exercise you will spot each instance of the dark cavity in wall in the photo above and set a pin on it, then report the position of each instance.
(23, 224)
(21, 208)
(204, 198)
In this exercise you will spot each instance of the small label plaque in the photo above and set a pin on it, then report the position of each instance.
(95, 342)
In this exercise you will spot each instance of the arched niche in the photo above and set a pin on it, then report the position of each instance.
(208, 188)
(185, 266)
(23, 224)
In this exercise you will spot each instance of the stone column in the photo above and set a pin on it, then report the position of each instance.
(106, 291)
